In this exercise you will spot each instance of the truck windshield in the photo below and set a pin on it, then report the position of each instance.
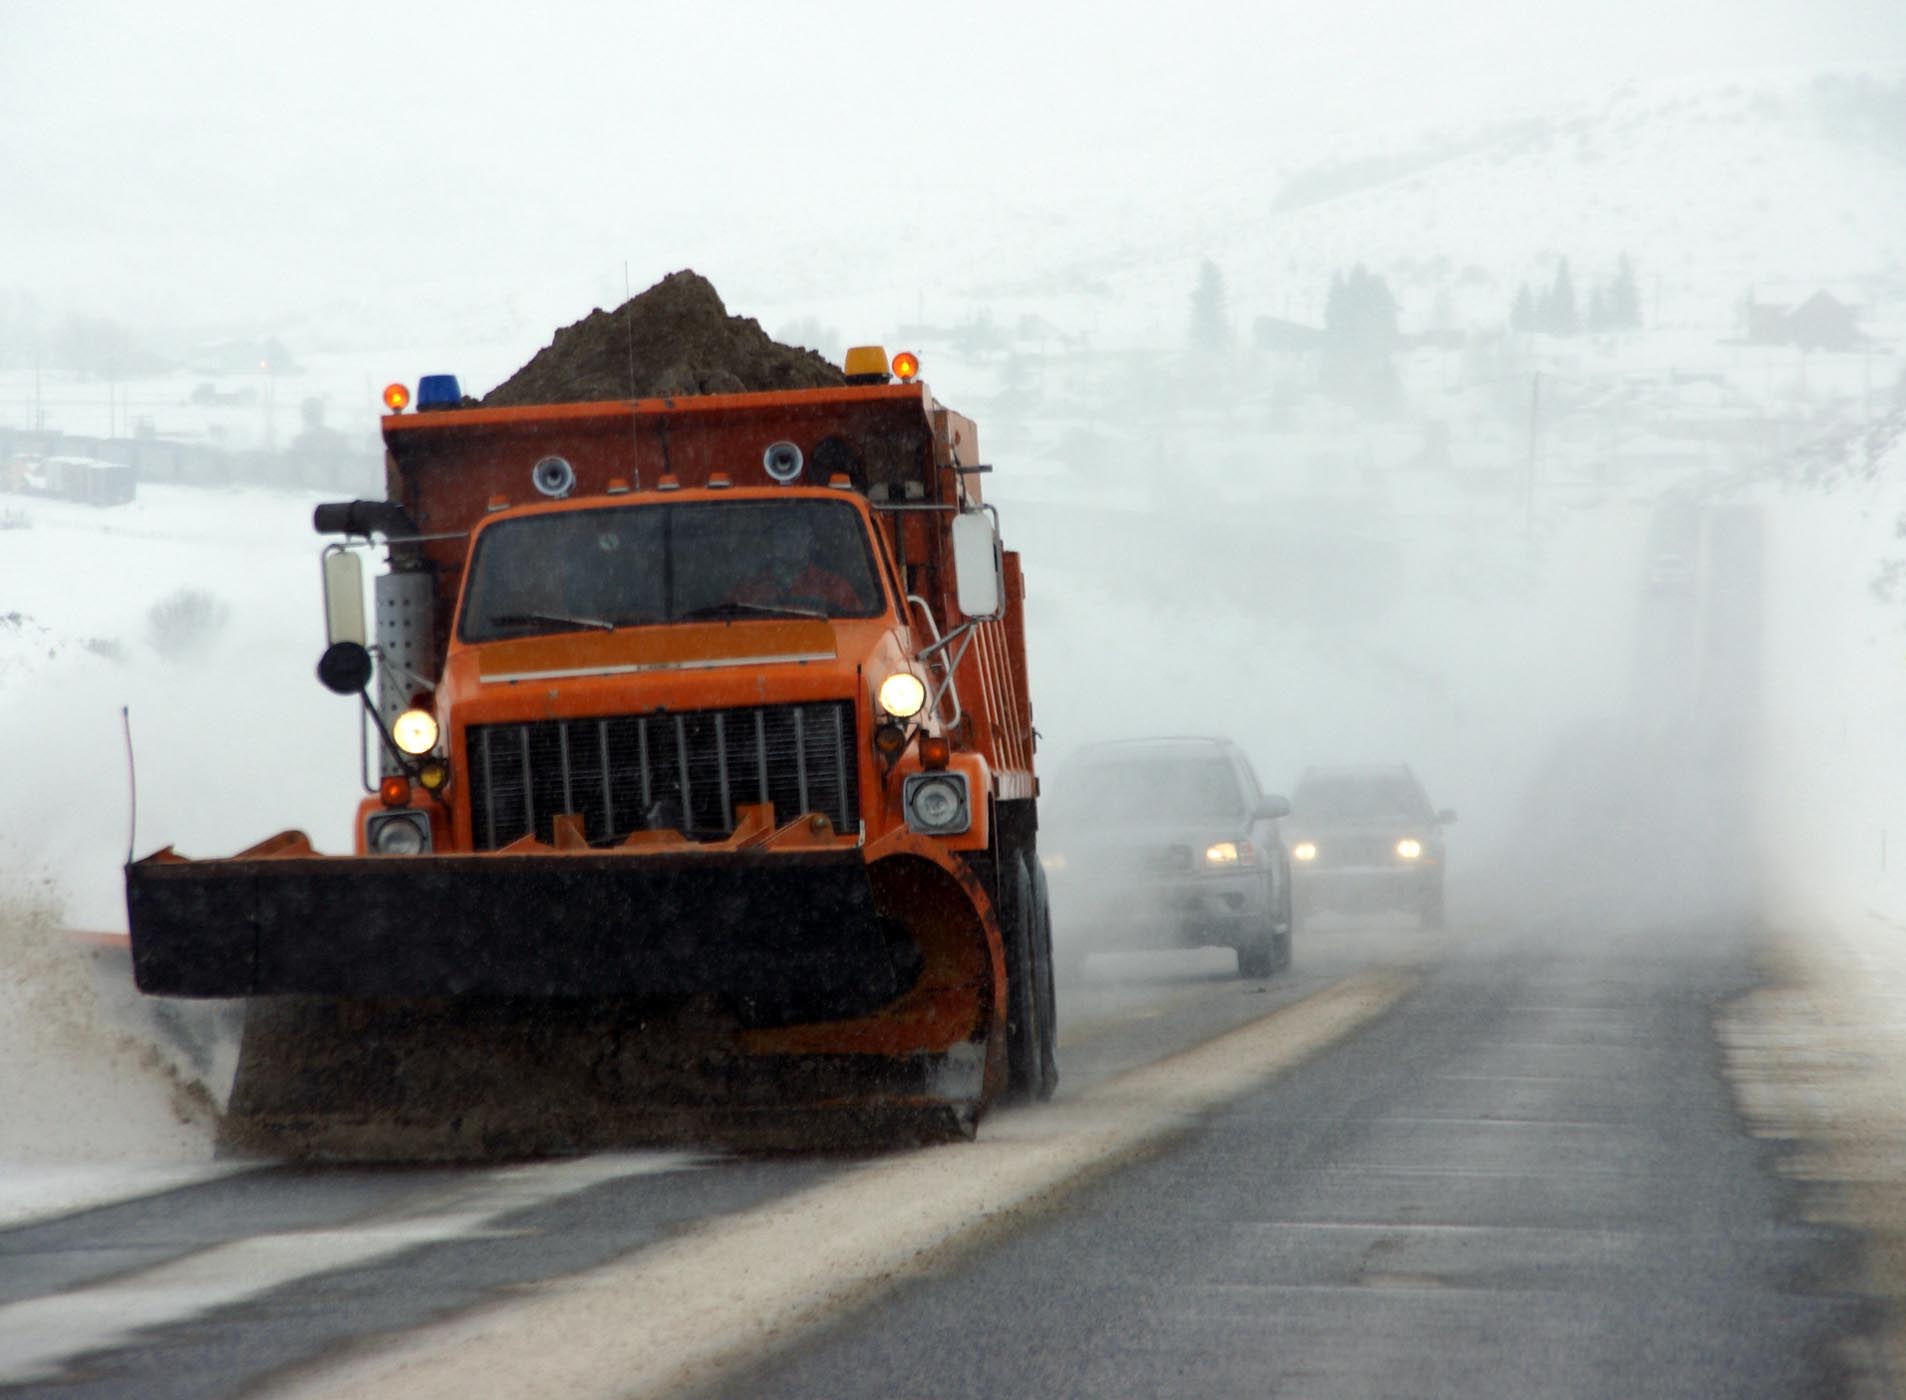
(637, 565)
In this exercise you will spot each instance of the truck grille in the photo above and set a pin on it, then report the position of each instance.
(686, 771)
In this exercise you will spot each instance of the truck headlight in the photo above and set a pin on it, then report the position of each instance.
(902, 695)
(936, 803)
(414, 731)
(1304, 850)
(397, 833)
(1409, 848)
(1221, 853)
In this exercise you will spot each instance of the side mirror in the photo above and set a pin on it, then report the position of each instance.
(344, 598)
(345, 668)
(977, 581)
(1272, 807)
(1446, 816)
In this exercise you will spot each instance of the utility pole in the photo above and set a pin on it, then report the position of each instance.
(1528, 484)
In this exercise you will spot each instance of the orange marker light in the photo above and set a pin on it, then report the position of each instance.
(396, 397)
(394, 791)
(935, 753)
(905, 365)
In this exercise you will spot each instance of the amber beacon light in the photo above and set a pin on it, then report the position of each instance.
(905, 365)
(396, 397)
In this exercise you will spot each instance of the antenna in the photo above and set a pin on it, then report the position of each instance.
(628, 323)
(132, 784)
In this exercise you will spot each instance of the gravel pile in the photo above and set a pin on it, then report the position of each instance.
(685, 342)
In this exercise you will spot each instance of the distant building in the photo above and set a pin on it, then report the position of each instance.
(1276, 334)
(1821, 322)
(243, 357)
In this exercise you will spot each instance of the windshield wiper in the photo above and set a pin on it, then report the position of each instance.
(519, 619)
(764, 609)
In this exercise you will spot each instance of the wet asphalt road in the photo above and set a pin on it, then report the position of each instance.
(1527, 1181)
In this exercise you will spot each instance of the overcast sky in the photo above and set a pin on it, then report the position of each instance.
(201, 161)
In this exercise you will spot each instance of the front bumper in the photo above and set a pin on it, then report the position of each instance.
(1187, 911)
(1361, 888)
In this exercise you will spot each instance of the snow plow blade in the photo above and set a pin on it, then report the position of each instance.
(517, 926)
(460, 1006)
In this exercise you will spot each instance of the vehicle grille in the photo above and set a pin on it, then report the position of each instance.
(1356, 850)
(686, 771)
(1164, 860)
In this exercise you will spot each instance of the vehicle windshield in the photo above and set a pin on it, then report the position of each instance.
(1155, 790)
(630, 566)
(1360, 799)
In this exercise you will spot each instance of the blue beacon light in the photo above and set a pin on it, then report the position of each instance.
(438, 391)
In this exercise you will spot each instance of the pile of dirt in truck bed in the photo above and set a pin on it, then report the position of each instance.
(685, 342)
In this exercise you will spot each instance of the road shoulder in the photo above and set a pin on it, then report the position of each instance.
(1813, 1058)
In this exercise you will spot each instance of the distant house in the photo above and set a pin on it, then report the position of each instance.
(243, 357)
(1821, 322)
(1276, 334)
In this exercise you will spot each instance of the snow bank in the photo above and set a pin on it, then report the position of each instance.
(1816, 1055)
(78, 1085)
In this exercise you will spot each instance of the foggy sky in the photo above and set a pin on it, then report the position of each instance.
(225, 162)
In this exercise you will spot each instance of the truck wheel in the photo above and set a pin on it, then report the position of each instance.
(1046, 972)
(1025, 1058)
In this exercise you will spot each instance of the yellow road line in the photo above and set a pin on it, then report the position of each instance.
(737, 1287)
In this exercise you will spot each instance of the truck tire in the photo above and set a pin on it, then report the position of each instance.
(1025, 1048)
(1046, 974)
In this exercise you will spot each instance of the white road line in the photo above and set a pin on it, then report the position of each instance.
(684, 1312)
(1570, 1045)
(36, 1191)
(1496, 1122)
(36, 1335)
(1531, 1079)
(1491, 1173)
(1412, 1227)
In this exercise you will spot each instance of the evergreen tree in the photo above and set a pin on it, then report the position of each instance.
(1624, 297)
(1598, 317)
(1559, 313)
(1522, 314)
(1210, 325)
(1360, 331)
(1360, 315)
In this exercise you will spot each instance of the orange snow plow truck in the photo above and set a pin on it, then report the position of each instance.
(703, 794)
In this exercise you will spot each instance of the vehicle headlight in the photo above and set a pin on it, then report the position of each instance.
(1053, 863)
(936, 803)
(1409, 848)
(398, 833)
(1304, 850)
(902, 695)
(1221, 853)
(414, 731)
